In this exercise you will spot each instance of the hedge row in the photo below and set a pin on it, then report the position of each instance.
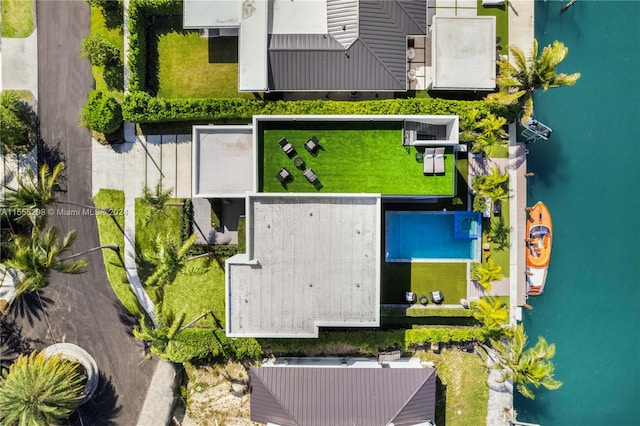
(140, 107)
(424, 312)
(200, 344)
(208, 344)
(139, 13)
(369, 343)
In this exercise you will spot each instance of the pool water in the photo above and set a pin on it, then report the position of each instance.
(427, 236)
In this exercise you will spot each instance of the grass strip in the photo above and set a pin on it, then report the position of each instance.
(461, 390)
(17, 18)
(111, 231)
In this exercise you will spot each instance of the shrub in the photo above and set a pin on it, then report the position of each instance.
(220, 251)
(102, 113)
(201, 344)
(16, 121)
(140, 107)
(99, 51)
(424, 312)
(479, 203)
(186, 220)
(420, 337)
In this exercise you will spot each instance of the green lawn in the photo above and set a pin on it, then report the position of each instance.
(112, 232)
(189, 66)
(355, 157)
(198, 288)
(500, 238)
(113, 34)
(17, 18)
(461, 392)
(502, 23)
(422, 278)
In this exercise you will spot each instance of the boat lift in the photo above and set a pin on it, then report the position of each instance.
(534, 130)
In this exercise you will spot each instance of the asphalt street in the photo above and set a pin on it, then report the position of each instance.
(80, 309)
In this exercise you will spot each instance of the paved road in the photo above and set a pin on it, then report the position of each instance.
(82, 309)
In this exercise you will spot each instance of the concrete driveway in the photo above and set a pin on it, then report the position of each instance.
(81, 309)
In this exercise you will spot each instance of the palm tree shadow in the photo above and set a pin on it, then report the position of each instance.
(500, 233)
(125, 317)
(12, 343)
(31, 306)
(102, 409)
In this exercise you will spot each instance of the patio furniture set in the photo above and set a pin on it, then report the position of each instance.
(436, 297)
(313, 146)
(433, 160)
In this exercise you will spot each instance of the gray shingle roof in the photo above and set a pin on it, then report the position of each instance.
(375, 61)
(295, 396)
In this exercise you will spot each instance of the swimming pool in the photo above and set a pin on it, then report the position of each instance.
(430, 236)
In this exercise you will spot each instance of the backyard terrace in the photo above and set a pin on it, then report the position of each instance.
(423, 278)
(354, 157)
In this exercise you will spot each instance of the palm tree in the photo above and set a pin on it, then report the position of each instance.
(162, 337)
(34, 193)
(157, 198)
(519, 80)
(530, 367)
(169, 258)
(39, 390)
(37, 255)
(484, 275)
(492, 312)
(492, 185)
(493, 125)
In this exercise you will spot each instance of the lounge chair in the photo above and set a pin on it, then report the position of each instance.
(284, 176)
(312, 145)
(287, 147)
(438, 162)
(437, 297)
(427, 159)
(311, 177)
(409, 297)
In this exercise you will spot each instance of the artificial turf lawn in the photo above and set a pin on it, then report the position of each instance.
(17, 18)
(355, 157)
(198, 288)
(112, 232)
(461, 390)
(190, 66)
(423, 278)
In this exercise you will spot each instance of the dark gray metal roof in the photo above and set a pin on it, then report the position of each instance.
(375, 61)
(325, 396)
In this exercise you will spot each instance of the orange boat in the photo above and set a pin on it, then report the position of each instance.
(539, 237)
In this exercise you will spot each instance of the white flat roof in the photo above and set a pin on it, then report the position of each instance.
(211, 13)
(464, 52)
(252, 47)
(223, 161)
(299, 17)
(311, 261)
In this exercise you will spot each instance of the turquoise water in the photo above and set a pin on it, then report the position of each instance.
(588, 175)
(429, 235)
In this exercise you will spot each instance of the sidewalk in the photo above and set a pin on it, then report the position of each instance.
(19, 63)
